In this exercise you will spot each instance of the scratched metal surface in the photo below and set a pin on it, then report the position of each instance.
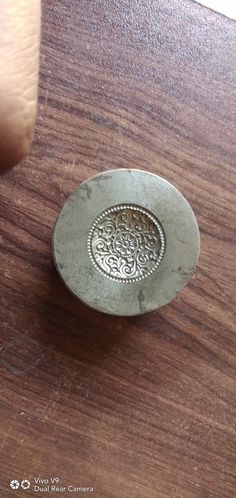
(119, 280)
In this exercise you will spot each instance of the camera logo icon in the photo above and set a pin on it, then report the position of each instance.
(14, 484)
(25, 484)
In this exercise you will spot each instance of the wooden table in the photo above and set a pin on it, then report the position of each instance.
(140, 407)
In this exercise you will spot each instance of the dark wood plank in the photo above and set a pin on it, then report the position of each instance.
(141, 407)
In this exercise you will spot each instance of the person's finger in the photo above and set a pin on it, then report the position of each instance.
(19, 60)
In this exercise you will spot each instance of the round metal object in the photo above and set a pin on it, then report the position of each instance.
(125, 242)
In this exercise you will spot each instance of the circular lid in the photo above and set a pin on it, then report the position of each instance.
(125, 242)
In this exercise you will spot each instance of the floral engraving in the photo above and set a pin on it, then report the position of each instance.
(126, 243)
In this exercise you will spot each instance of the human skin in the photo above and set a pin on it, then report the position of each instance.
(19, 65)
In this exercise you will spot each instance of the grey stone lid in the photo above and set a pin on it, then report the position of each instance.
(126, 242)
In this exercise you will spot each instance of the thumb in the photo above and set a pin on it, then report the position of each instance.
(19, 61)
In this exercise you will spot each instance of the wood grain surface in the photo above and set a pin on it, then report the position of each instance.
(141, 407)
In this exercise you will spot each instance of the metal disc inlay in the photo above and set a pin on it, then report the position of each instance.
(126, 243)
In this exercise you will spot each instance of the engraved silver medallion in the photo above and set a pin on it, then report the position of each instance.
(125, 242)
